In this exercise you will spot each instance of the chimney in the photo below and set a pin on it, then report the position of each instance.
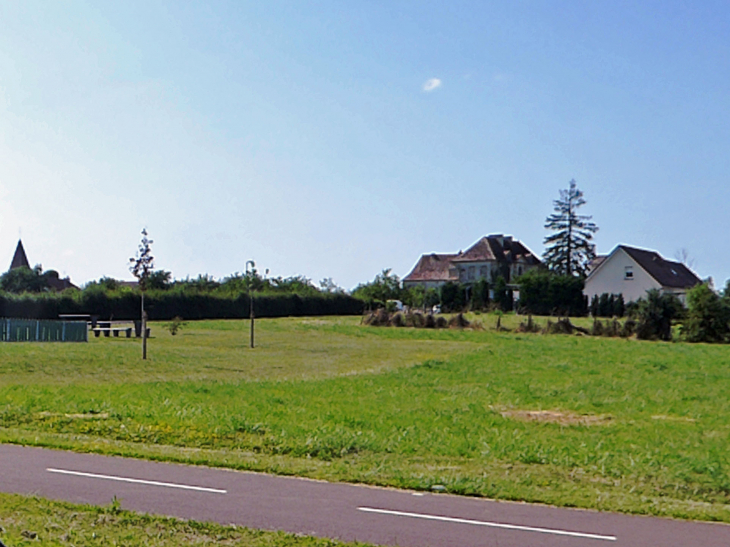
(498, 237)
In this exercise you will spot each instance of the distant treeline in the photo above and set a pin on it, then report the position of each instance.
(201, 298)
(165, 306)
(541, 292)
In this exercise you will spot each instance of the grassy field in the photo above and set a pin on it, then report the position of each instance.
(603, 423)
(33, 521)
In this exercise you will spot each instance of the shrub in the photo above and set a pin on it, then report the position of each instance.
(608, 305)
(453, 297)
(164, 305)
(502, 295)
(708, 316)
(545, 293)
(654, 315)
(628, 329)
(596, 328)
(175, 325)
(480, 295)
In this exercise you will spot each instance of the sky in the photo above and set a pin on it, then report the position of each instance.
(337, 139)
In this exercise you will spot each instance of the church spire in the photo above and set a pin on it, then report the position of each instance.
(19, 258)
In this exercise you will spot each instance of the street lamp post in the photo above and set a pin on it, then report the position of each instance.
(250, 273)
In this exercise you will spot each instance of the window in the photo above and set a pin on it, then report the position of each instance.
(471, 273)
(483, 272)
(629, 272)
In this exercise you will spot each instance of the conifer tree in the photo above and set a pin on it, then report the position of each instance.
(569, 248)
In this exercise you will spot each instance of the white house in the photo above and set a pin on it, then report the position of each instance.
(488, 258)
(632, 272)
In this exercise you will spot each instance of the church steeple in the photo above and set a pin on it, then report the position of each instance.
(19, 258)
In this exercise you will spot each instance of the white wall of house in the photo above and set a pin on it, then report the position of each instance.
(620, 274)
(680, 293)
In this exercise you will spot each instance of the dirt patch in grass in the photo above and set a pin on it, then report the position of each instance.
(556, 417)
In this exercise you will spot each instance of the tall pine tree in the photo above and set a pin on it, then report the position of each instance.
(569, 249)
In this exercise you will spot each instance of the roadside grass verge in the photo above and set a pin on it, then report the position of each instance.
(28, 520)
(600, 423)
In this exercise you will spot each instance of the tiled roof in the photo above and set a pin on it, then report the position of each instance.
(433, 267)
(498, 248)
(666, 272)
(19, 258)
(492, 248)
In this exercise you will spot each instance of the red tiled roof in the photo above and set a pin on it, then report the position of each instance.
(498, 248)
(492, 248)
(433, 267)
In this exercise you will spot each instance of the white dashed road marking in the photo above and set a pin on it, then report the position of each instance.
(490, 524)
(137, 481)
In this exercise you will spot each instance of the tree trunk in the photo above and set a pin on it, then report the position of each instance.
(144, 330)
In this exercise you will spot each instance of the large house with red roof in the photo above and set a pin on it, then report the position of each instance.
(488, 258)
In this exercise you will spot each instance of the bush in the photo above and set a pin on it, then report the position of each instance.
(453, 297)
(628, 329)
(175, 325)
(708, 316)
(608, 305)
(654, 315)
(546, 293)
(503, 296)
(164, 305)
(480, 295)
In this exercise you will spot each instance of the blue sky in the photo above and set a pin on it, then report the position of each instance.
(336, 139)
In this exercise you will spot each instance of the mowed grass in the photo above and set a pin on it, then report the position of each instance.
(630, 426)
(286, 349)
(29, 520)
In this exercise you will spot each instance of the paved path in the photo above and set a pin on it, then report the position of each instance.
(342, 511)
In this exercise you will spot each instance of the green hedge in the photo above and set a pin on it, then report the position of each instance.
(164, 305)
(546, 293)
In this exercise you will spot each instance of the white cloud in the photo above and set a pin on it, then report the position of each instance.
(431, 84)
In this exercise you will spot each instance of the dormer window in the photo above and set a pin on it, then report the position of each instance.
(629, 272)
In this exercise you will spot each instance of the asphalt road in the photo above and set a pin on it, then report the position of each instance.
(341, 511)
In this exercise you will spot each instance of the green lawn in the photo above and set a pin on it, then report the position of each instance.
(630, 426)
(28, 520)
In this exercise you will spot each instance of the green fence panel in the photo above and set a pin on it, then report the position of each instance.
(36, 330)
